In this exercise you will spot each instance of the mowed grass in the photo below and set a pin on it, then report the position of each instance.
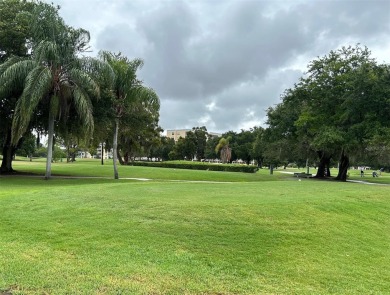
(93, 168)
(253, 236)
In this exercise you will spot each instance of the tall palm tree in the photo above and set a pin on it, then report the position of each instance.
(127, 93)
(56, 77)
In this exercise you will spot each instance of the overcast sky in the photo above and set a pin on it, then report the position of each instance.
(221, 64)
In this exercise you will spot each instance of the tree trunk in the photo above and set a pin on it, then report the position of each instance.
(343, 167)
(307, 166)
(8, 154)
(67, 153)
(74, 153)
(120, 160)
(102, 154)
(259, 162)
(115, 149)
(327, 167)
(323, 167)
(49, 146)
(126, 158)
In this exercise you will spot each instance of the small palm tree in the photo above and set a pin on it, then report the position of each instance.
(226, 151)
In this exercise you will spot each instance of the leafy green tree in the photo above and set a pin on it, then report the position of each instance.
(335, 109)
(211, 144)
(162, 150)
(28, 146)
(258, 146)
(243, 145)
(178, 152)
(200, 141)
(40, 152)
(15, 27)
(58, 153)
(377, 151)
(140, 130)
(333, 88)
(189, 147)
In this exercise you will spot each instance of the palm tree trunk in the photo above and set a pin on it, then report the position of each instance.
(115, 147)
(49, 146)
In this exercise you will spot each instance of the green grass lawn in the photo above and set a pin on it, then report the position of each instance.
(256, 234)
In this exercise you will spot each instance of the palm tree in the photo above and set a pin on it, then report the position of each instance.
(56, 77)
(128, 93)
(226, 151)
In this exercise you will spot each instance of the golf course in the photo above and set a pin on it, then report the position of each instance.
(173, 231)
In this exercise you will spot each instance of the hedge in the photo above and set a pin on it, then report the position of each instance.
(199, 166)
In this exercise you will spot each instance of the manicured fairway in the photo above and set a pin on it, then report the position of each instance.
(253, 236)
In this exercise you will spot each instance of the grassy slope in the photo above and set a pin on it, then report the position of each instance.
(100, 236)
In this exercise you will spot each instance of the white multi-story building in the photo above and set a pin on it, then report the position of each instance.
(177, 133)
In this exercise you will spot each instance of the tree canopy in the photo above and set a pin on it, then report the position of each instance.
(336, 109)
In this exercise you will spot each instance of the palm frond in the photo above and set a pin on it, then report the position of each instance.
(9, 62)
(93, 65)
(150, 98)
(19, 124)
(83, 107)
(47, 52)
(13, 77)
(37, 86)
(80, 79)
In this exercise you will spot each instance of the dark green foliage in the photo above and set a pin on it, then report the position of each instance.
(199, 166)
(28, 145)
(14, 27)
(211, 143)
(14, 34)
(334, 111)
(162, 149)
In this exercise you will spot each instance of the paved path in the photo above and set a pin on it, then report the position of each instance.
(120, 178)
(354, 181)
(366, 182)
(168, 180)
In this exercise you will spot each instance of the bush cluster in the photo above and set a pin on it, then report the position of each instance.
(199, 166)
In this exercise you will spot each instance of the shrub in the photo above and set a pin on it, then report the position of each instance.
(198, 166)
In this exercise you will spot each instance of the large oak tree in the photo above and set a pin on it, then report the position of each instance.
(335, 109)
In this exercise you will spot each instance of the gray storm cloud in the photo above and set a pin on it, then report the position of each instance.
(223, 63)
